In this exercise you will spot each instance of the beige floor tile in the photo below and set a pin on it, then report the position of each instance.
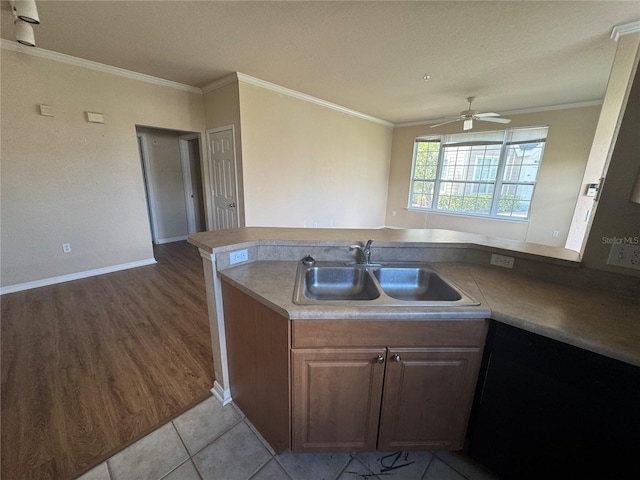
(357, 471)
(466, 465)
(271, 471)
(438, 470)
(152, 457)
(313, 466)
(186, 471)
(98, 473)
(204, 423)
(403, 465)
(236, 455)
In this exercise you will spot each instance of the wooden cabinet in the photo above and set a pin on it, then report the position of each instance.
(351, 385)
(336, 399)
(353, 399)
(427, 398)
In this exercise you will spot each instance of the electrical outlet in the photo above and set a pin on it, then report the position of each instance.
(502, 261)
(238, 256)
(555, 234)
(625, 255)
(66, 247)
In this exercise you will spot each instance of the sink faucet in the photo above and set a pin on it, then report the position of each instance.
(365, 251)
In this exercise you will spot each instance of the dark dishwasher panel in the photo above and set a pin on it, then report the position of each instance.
(545, 409)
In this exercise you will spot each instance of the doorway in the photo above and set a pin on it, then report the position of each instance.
(172, 174)
(192, 178)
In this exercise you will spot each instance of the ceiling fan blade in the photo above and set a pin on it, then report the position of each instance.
(487, 114)
(448, 121)
(495, 120)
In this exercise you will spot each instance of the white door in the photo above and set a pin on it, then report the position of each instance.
(222, 168)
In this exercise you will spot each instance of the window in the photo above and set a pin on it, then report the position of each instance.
(490, 174)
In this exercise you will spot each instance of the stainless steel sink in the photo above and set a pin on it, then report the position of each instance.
(339, 283)
(415, 284)
(403, 284)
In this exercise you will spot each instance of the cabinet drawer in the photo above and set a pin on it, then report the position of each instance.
(370, 333)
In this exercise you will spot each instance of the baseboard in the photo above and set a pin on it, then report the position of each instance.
(74, 276)
(171, 240)
(221, 394)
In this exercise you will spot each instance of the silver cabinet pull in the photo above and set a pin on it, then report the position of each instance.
(397, 358)
(380, 359)
(232, 205)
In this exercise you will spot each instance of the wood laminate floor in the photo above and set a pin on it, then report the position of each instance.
(92, 365)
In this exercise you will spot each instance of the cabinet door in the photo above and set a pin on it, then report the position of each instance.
(336, 399)
(427, 399)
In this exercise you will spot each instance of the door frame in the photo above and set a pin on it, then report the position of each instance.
(143, 151)
(183, 141)
(211, 217)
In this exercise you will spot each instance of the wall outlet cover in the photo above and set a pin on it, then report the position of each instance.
(238, 256)
(625, 255)
(502, 261)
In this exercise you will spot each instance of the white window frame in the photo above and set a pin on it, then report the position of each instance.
(499, 182)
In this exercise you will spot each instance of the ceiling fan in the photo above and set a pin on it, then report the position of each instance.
(470, 115)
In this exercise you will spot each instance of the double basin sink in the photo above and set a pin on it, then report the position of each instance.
(406, 284)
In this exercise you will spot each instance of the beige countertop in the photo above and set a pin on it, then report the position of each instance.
(224, 240)
(586, 318)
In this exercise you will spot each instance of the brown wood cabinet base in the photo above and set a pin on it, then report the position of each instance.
(340, 385)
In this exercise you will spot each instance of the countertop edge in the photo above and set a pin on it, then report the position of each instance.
(484, 311)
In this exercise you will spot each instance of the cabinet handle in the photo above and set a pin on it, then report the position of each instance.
(380, 359)
(397, 357)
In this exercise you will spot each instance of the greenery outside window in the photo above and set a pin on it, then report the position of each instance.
(491, 174)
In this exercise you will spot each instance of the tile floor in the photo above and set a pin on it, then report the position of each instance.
(212, 442)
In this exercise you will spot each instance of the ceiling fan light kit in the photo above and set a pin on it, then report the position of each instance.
(469, 115)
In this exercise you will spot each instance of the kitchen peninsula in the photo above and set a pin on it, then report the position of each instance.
(545, 293)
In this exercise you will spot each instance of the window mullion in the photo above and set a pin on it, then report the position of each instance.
(436, 183)
(497, 192)
(412, 180)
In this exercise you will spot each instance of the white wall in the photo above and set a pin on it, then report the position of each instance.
(167, 183)
(624, 64)
(65, 180)
(565, 156)
(617, 217)
(222, 107)
(309, 165)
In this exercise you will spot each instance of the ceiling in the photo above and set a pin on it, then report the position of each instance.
(367, 56)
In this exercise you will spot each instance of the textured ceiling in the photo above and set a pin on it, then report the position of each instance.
(366, 56)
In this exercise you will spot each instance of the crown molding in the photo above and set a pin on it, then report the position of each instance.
(547, 108)
(625, 29)
(226, 80)
(221, 82)
(564, 106)
(249, 80)
(307, 98)
(99, 67)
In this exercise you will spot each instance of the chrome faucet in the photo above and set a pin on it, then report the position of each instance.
(365, 251)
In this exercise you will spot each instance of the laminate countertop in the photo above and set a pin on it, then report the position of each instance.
(584, 317)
